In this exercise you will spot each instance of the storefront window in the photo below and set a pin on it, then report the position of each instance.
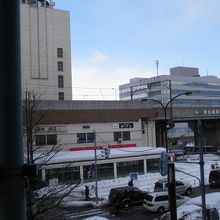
(153, 165)
(124, 168)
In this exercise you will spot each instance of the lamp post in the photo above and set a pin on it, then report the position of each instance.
(96, 174)
(171, 166)
(165, 112)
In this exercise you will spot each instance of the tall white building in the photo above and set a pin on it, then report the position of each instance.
(45, 50)
(205, 89)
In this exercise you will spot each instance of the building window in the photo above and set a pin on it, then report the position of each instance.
(85, 138)
(60, 81)
(60, 66)
(122, 135)
(61, 95)
(81, 138)
(51, 139)
(59, 52)
(126, 135)
(117, 136)
(90, 137)
(42, 140)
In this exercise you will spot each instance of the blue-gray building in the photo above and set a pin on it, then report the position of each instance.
(205, 89)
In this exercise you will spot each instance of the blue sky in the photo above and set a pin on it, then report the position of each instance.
(115, 40)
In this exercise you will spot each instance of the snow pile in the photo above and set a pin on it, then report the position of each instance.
(193, 209)
(189, 211)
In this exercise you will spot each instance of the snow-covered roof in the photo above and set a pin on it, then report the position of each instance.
(83, 155)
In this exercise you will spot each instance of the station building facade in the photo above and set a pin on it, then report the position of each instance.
(117, 124)
(81, 126)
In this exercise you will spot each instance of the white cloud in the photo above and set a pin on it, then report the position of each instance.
(100, 83)
(99, 57)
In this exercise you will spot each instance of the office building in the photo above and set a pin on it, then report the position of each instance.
(205, 89)
(45, 50)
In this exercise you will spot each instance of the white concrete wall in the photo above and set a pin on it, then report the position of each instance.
(43, 30)
(67, 135)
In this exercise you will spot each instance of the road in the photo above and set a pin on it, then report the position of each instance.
(136, 212)
(132, 213)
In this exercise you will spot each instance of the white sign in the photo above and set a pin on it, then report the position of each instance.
(53, 182)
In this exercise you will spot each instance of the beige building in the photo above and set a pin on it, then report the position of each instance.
(117, 124)
(45, 50)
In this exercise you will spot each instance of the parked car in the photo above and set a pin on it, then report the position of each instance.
(214, 178)
(159, 202)
(181, 187)
(126, 196)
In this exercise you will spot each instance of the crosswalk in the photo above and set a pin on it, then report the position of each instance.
(88, 213)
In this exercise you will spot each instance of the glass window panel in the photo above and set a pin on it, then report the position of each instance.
(60, 81)
(117, 135)
(81, 138)
(51, 139)
(61, 95)
(40, 140)
(60, 66)
(126, 135)
(60, 52)
(90, 137)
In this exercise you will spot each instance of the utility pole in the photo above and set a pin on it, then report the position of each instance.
(96, 175)
(12, 191)
(201, 162)
(172, 190)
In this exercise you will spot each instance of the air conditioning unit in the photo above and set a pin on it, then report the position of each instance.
(119, 140)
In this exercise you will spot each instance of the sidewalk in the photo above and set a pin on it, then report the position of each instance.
(77, 201)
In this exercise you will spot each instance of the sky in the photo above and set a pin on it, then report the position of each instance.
(113, 41)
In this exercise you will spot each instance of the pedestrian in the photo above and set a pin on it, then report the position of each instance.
(87, 193)
(130, 183)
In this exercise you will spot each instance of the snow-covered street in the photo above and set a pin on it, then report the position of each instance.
(145, 182)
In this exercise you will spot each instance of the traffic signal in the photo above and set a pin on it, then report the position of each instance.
(105, 153)
(164, 159)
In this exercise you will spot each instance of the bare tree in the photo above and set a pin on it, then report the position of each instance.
(37, 207)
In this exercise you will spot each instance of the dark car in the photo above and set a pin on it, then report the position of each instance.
(126, 196)
(214, 178)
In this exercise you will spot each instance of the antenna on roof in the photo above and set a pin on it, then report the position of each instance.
(157, 63)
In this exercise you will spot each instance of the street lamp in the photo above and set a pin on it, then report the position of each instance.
(171, 167)
(165, 111)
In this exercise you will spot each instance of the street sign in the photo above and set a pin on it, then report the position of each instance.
(134, 176)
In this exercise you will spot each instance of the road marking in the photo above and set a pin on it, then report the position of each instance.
(86, 213)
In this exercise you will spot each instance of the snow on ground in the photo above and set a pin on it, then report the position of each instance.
(145, 182)
(193, 208)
